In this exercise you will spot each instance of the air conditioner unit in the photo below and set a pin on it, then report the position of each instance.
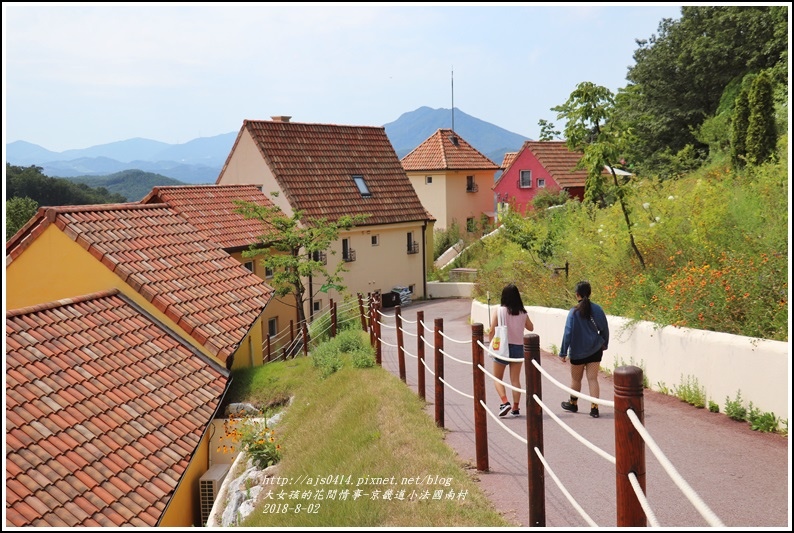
(209, 486)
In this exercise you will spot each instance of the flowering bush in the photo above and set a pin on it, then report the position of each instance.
(252, 436)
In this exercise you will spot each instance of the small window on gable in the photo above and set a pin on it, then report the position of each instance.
(318, 304)
(375, 240)
(525, 179)
(268, 272)
(249, 265)
(428, 180)
(272, 327)
(362, 186)
(541, 183)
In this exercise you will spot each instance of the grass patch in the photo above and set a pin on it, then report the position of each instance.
(355, 423)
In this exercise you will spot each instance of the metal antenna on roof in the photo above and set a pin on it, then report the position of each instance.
(452, 80)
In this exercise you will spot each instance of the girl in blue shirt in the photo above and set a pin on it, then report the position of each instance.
(585, 338)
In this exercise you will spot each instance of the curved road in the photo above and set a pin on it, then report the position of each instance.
(741, 475)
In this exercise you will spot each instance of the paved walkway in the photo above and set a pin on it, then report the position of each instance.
(741, 475)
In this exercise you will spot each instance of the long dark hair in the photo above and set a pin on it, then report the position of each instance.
(583, 307)
(511, 299)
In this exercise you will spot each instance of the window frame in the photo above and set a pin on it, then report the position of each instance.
(361, 184)
(521, 179)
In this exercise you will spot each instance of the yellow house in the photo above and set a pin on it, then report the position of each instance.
(173, 275)
(453, 180)
(107, 416)
(153, 256)
(211, 209)
(326, 171)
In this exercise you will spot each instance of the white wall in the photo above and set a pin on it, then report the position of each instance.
(722, 364)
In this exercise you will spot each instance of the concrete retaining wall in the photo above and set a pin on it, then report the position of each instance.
(438, 289)
(720, 363)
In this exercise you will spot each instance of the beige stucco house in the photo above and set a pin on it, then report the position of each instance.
(453, 180)
(326, 171)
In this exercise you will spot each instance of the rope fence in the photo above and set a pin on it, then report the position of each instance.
(633, 508)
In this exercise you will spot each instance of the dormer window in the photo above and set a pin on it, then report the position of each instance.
(362, 186)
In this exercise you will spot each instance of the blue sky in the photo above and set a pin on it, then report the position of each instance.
(81, 74)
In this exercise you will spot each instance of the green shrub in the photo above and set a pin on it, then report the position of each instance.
(714, 407)
(690, 392)
(735, 408)
(363, 357)
(764, 422)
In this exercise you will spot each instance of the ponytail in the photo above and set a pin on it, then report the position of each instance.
(584, 309)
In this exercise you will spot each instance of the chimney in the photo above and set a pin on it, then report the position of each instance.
(281, 118)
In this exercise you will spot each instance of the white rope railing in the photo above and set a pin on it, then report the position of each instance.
(592, 399)
(442, 380)
(453, 340)
(392, 326)
(427, 367)
(408, 321)
(408, 332)
(427, 328)
(573, 433)
(432, 346)
(513, 433)
(455, 358)
(387, 343)
(496, 355)
(646, 507)
(406, 352)
(696, 501)
(564, 491)
(508, 385)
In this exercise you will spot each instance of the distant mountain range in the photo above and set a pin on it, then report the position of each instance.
(200, 161)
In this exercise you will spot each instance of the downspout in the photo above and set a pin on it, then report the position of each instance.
(424, 259)
(311, 299)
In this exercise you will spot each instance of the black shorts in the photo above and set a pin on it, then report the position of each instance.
(595, 358)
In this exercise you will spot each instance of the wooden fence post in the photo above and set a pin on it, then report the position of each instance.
(629, 446)
(439, 370)
(400, 353)
(478, 387)
(420, 354)
(536, 476)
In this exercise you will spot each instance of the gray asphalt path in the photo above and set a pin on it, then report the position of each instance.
(742, 476)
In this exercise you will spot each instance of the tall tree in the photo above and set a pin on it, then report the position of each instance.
(761, 134)
(683, 70)
(588, 129)
(292, 249)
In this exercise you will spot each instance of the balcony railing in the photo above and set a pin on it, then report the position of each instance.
(349, 256)
(320, 257)
(472, 187)
(413, 248)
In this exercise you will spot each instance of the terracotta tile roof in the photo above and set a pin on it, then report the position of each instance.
(314, 165)
(171, 264)
(210, 208)
(446, 150)
(559, 162)
(97, 425)
(508, 159)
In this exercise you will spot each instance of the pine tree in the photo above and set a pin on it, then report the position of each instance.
(740, 119)
(761, 130)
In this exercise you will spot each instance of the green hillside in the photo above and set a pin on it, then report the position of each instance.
(131, 184)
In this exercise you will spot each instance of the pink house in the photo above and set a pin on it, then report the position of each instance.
(538, 166)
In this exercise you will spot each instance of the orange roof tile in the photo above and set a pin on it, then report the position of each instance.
(508, 159)
(211, 209)
(160, 255)
(446, 150)
(314, 165)
(559, 161)
(58, 481)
